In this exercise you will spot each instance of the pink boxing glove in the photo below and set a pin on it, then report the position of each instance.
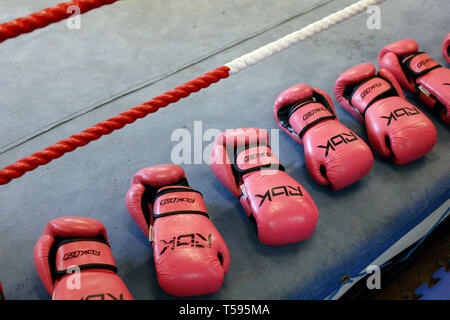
(334, 154)
(191, 258)
(446, 48)
(76, 244)
(282, 209)
(418, 73)
(396, 129)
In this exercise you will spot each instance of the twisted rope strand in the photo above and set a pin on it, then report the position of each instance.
(294, 38)
(60, 148)
(47, 16)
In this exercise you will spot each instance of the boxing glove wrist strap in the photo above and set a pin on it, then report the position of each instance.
(178, 200)
(369, 91)
(306, 113)
(83, 253)
(418, 64)
(256, 157)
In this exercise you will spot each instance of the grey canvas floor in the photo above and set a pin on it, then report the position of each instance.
(56, 82)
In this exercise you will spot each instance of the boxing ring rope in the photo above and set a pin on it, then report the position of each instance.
(47, 16)
(29, 163)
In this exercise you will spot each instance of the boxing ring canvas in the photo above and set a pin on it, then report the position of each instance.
(56, 82)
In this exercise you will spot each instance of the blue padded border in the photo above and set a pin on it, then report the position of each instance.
(378, 247)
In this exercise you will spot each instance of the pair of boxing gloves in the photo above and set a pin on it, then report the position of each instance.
(191, 258)
(377, 99)
(396, 129)
(334, 154)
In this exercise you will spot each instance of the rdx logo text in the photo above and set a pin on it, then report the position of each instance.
(176, 200)
(257, 156)
(79, 253)
(369, 89)
(422, 63)
(333, 142)
(288, 191)
(192, 240)
(394, 115)
(313, 112)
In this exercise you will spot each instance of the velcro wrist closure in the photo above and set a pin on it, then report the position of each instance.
(369, 91)
(419, 64)
(306, 113)
(178, 200)
(256, 157)
(84, 253)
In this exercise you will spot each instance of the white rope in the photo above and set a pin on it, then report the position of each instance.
(293, 38)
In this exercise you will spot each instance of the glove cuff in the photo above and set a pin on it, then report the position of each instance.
(178, 200)
(291, 100)
(83, 253)
(307, 113)
(418, 64)
(255, 157)
(366, 93)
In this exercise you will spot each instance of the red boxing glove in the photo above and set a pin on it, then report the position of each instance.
(74, 261)
(418, 73)
(396, 128)
(334, 154)
(283, 210)
(446, 48)
(191, 258)
(2, 296)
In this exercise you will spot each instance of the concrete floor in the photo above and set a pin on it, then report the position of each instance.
(56, 82)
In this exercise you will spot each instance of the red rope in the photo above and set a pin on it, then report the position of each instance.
(57, 150)
(45, 17)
